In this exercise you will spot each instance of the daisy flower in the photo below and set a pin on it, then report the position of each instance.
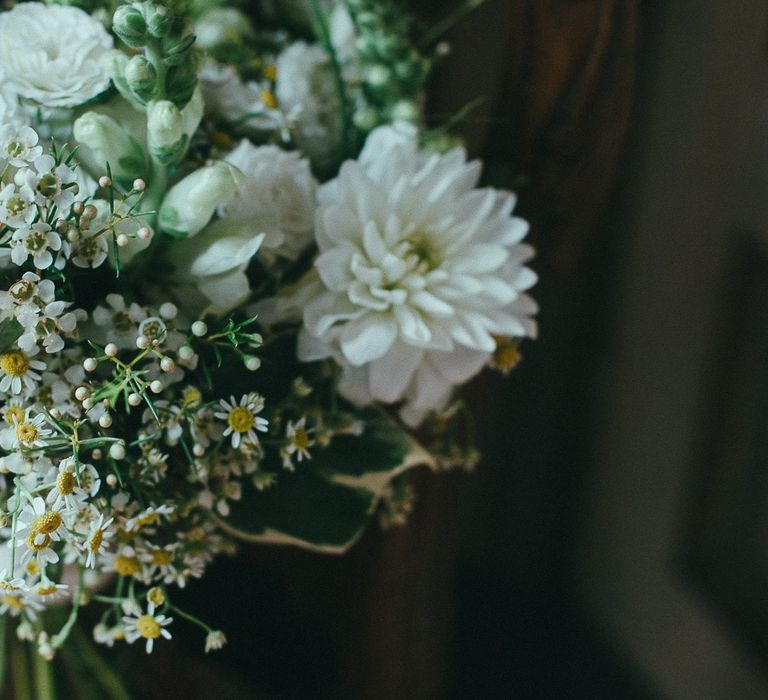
(147, 626)
(242, 419)
(298, 443)
(18, 371)
(97, 542)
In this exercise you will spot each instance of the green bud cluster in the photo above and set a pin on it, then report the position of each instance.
(167, 68)
(393, 70)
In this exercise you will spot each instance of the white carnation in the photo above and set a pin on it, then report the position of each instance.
(53, 54)
(276, 197)
(418, 269)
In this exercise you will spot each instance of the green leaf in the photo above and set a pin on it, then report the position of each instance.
(327, 503)
(10, 332)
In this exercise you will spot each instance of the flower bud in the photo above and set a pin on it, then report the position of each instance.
(189, 205)
(159, 20)
(102, 140)
(141, 77)
(129, 24)
(165, 130)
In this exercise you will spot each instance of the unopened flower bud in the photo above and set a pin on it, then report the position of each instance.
(103, 140)
(189, 205)
(165, 130)
(110, 350)
(142, 342)
(252, 363)
(88, 404)
(199, 328)
(156, 386)
(81, 393)
(158, 19)
(139, 185)
(129, 24)
(134, 399)
(105, 421)
(90, 364)
(167, 364)
(185, 352)
(122, 240)
(141, 77)
(105, 181)
(144, 233)
(111, 480)
(117, 450)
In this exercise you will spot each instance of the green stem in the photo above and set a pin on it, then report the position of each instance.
(324, 35)
(45, 687)
(190, 618)
(22, 686)
(439, 29)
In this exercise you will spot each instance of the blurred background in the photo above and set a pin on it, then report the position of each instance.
(613, 542)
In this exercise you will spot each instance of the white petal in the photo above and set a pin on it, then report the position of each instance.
(368, 338)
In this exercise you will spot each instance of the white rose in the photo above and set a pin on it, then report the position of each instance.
(53, 54)
(276, 197)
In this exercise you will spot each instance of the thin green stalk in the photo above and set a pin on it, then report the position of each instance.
(324, 35)
(22, 685)
(44, 683)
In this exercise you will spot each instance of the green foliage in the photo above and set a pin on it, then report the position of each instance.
(327, 503)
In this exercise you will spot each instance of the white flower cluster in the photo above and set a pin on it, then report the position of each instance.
(189, 287)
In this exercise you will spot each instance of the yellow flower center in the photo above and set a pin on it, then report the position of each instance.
(96, 540)
(26, 432)
(66, 482)
(156, 595)
(161, 557)
(8, 586)
(507, 355)
(127, 566)
(269, 99)
(147, 627)
(47, 524)
(240, 419)
(13, 601)
(191, 397)
(301, 439)
(47, 590)
(14, 415)
(32, 567)
(14, 364)
(270, 73)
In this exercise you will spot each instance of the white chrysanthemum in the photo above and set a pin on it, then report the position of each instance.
(307, 92)
(53, 54)
(276, 197)
(419, 270)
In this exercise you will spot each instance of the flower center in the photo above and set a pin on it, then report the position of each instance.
(147, 627)
(161, 557)
(17, 205)
(47, 524)
(48, 186)
(96, 540)
(14, 364)
(66, 483)
(14, 149)
(240, 419)
(26, 432)
(46, 590)
(126, 566)
(301, 439)
(36, 241)
(13, 601)
(14, 414)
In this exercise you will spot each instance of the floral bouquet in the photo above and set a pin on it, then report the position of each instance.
(241, 282)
